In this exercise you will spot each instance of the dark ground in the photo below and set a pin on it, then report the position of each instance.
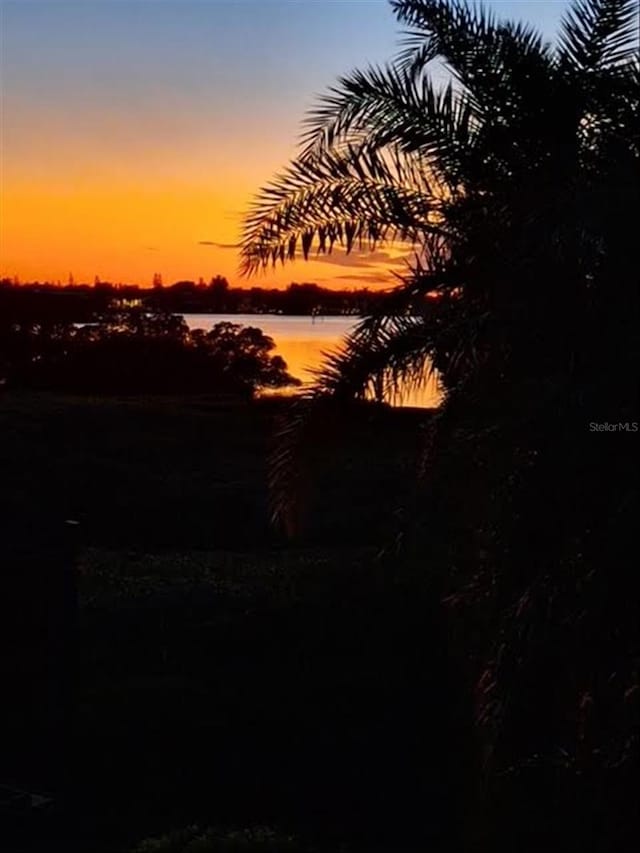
(223, 675)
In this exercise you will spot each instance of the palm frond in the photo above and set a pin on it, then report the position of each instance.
(379, 359)
(384, 358)
(479, 50)
(382, 105)
(441, 28)
(369, 365)
(501, 71)
(599, 34)
(355, 195)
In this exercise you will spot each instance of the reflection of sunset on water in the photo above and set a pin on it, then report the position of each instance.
(303, 341)
(303, 356)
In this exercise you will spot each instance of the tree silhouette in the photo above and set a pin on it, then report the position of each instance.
(514, 183)
(138, 352)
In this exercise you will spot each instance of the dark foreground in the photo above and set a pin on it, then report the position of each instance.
(219, 674)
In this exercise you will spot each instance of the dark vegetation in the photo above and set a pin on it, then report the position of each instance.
(518, 185)
(186, 297)
(223, 676)
(133, 351)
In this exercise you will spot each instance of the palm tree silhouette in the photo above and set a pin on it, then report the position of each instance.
(515, 182)
(499, 179)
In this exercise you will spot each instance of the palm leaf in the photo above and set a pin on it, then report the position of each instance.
(599, 34)
(384, 358)
(385, 105)
(394, 359)
(356, 195)
(480, 51)
(501, 71)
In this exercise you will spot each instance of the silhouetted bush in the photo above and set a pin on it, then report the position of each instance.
(197, 840)
(138, 352)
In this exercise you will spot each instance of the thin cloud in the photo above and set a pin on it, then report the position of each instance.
(218, 245)
(364, 278)
(360, 260)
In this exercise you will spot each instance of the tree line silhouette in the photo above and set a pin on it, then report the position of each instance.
(185, 297)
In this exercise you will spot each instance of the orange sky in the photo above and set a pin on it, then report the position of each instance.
(134, 135)
(135, 132)
(126, 233)
(86, 222)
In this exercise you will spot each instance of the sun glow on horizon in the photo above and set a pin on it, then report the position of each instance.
(134, 135)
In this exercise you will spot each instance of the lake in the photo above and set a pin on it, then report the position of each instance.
(301, 341)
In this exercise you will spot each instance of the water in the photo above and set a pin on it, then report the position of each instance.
(301, 341)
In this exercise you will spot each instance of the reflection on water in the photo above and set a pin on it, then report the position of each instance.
(301, 341)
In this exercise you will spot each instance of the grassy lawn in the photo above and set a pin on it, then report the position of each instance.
(187, 474)
(224, 674)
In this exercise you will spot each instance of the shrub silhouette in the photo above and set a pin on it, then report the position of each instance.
(196, 840)
(137, 352)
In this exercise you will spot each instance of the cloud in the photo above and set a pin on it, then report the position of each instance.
(360, 260)
(365, 278)
(218, 245)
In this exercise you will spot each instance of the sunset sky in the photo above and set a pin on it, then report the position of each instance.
(134, 132)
